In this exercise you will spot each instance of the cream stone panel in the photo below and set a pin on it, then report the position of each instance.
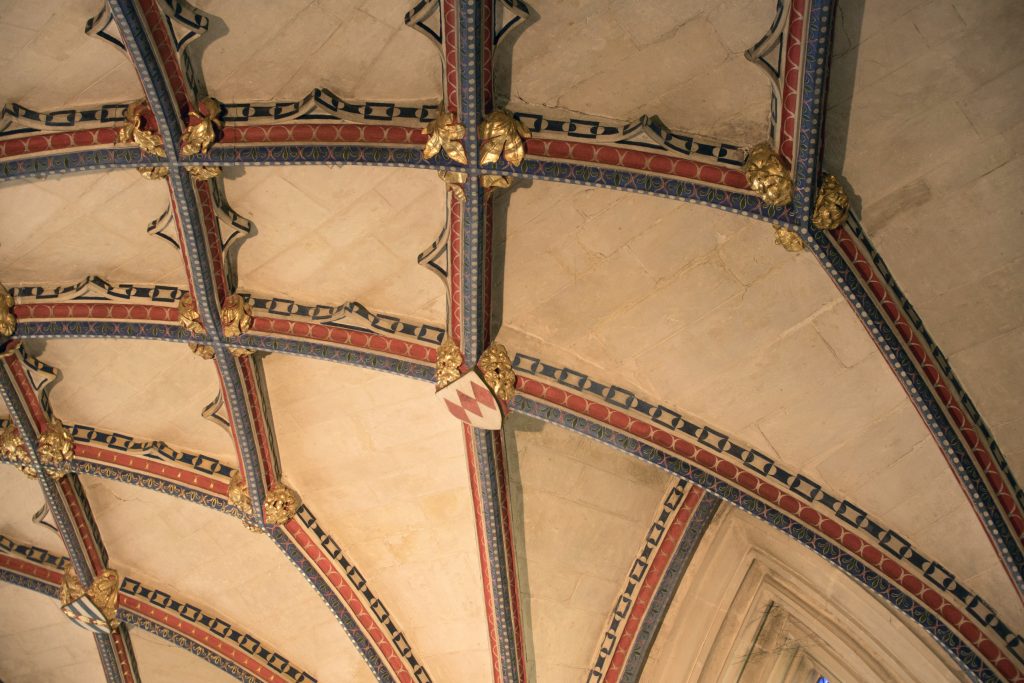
(39, 643)
(680, 60)
(328, 235)
(208, 558)
(60, 229)
(382, 464)
(581, 514)
(22, 497)
(162, 662)
(148, 390)
(739, 567)
(746, 337)
(922, 124)
(49, 62)
(357, 48)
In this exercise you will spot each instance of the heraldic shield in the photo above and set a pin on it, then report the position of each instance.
(470, 399)
(85, 613)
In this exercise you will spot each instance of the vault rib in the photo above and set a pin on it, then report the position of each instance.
(175, 619)
(24, 384)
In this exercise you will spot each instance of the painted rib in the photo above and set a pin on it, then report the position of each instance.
(676, 532)
(836, 529)
(467, 43)
(203, 480)
(24, 383)
(199, 632)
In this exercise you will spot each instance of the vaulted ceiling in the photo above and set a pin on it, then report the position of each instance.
(491, 340)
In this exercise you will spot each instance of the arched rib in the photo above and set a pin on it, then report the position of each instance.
(651, 582)
(879, 558)
(198, 631)
(347, 333)
(204, 480)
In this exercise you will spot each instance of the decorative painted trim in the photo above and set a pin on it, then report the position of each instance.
(488, 477)
(467, 38)
(24, 384)
(699, 171)
(192, 477)
(204, 635)
(98, 329)
(351, 315)
(26, 403)
(924, 372)
(617, 178)
(321, 105)
(668, 439)
(38, 556)
(92, 125)
(344, 588)
(164, 75)
(23, 577)
(685, 514)
(239, 653)
(334, 350)
(665, 591)
(647, 133)
(204, 480)
(94, 288)
(348, 333)
(13, 168)
(811, 23)
(305, 154)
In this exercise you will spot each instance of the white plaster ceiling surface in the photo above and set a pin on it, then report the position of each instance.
(682, 61)
(39, 643)
(23, 495)
(683, 302)
(49, 62)
(146, 390)
(333, 235)
(382, 466)
(62, 229)
(924, 123)
(585, 510)
(209, 559)
(355, 48)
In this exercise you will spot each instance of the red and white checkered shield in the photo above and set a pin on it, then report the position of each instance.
(470, 399)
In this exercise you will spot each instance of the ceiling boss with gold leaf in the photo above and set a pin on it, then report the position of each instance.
(139, 129)
(238, 497)
(13, 450)
(280, 505)
(204, 124)
(832, 205)
(502, 136)
(445, 134)
(768, 175)
(236, 316)
(7, 320)
(56, 448)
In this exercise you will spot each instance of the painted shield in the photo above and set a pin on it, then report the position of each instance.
(84, 612)
(469, 399)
